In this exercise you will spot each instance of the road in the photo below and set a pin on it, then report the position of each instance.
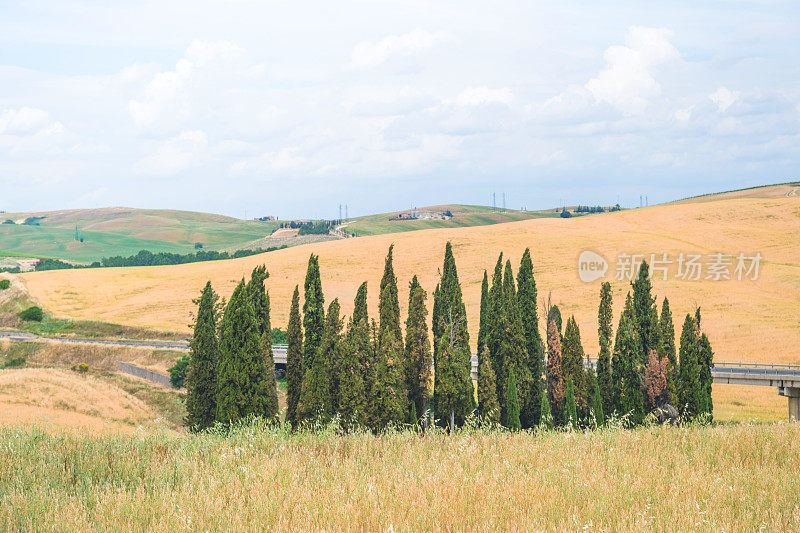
(22, 336)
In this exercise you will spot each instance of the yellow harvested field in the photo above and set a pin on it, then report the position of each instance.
(746, 320)
(771, 191)
(66, 399)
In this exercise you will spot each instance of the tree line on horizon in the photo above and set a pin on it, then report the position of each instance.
(363, 372)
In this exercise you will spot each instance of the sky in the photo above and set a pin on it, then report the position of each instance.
(290, 108)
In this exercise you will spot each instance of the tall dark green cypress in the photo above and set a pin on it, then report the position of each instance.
(201, 380)
(259, 298)
(358, 336)
(645, 314)
(318, 393)
(313, 313)
(572, 362)
(294, 359)
(332, 350)
(512, 348)
(241, 377)
(527, 302)
(667, 340)
(388, 304)
(418, 351)
(512, 403)
(454, 395)
(484, 317)
(690, 387)
(626, 368)
(604, 331)
(352, 390)
(495, 331)
(452, 312)
(387, 405)
(413, 284)
(488, 406)
(571, 415)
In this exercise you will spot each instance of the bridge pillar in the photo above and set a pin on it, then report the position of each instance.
(793, 395)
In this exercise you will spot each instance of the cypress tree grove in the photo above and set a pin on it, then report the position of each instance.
(488, 406)
(459, 364)
(555, 377)
(645, 315)
(388, 305)
(512, 348)
(512, 403)
(352, 390)
(418, 351)
(527, 304)
(484, 316)
(313, 313)
(667, 338)
(604, 332)
(294, 359)
(358, 335)
(241, 378)
(201, 380)
(571, 414)
(572, 357)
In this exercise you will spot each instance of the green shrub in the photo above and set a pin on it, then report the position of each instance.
(32, 314)
(8, 221)
(177, 374)
(81, 367)
(4, 284)
(13, 362)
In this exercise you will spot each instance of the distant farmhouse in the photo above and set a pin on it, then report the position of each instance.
(415, 214)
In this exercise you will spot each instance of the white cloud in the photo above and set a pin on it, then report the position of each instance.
(24, 120)
(203, 74)
(627, 82)
(724, 98)
(476, 96)
(369, 54)
(683, 115)
(177, 154)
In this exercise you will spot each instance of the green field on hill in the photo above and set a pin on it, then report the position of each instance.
(463, 215)
(122, 231)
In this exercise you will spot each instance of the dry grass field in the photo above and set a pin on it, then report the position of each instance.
(724, 478)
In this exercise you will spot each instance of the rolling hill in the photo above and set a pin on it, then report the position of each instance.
(122, 231)
(746, 320)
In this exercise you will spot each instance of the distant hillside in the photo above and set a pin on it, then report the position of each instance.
(462, 216)
(778, 190)
(121, 231)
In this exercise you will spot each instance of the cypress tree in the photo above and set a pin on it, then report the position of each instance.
(484, 316)
(512, 403)
(604, 332)
(352, 391)
(495, 331)
(294, 359)
(358, 335)
(571, 415)
(241, 378)
(667, 339)
(512, 348)
(626, 370)
(387, 405)
(259, 298)
(454, 397)
(453, 316)
(546, 418)
(572, 363)
(333, 353)
(705, 359)
(313, 313)
(413, 284)
(527, 303)
(488, 406)
(690, 385)
(388, 305)
(645, 315)
(597, 409)
(418, 351)
(555, 377)
(201, 380)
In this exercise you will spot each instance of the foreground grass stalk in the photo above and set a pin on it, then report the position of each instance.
(254, 477)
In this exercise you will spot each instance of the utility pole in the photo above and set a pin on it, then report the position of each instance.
(504, 202)
(494, 202)
(340, 213)
(346, 214)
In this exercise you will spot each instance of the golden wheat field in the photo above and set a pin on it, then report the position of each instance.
(746, 320)
(723, 478)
